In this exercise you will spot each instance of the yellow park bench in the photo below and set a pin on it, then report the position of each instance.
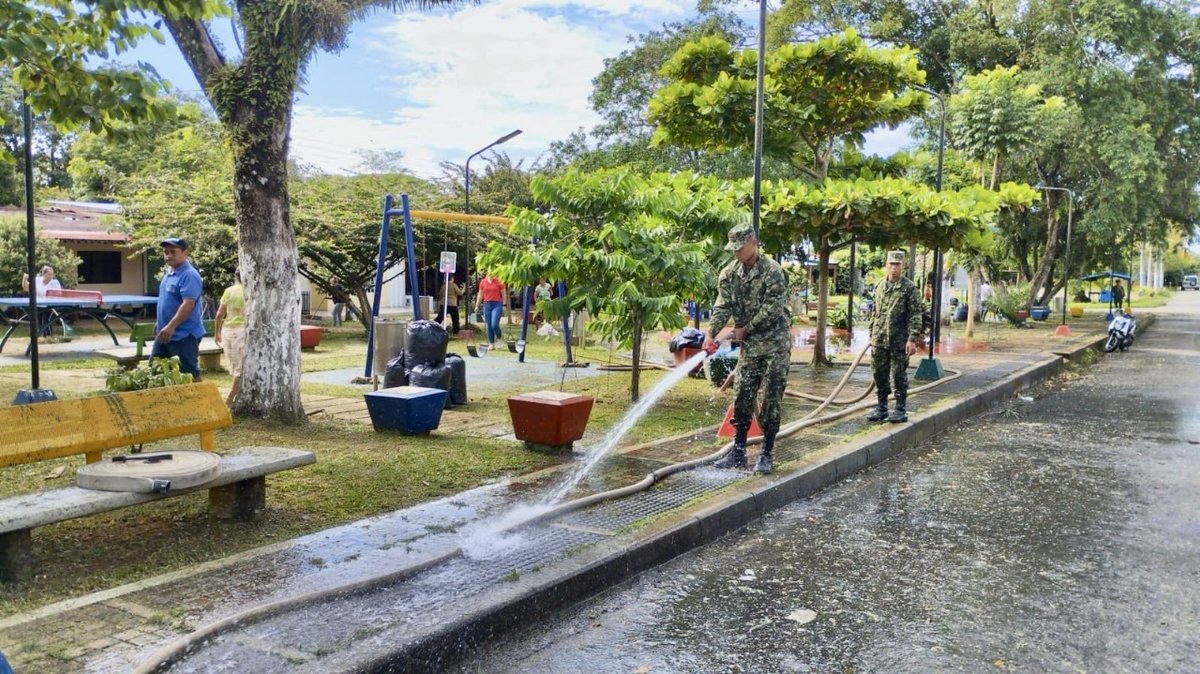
(90, 426)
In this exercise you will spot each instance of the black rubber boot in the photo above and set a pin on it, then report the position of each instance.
(736, 458)
(900, 414)
(880, 412)
(764, 464)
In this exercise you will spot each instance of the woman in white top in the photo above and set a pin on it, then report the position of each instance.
(44, 281)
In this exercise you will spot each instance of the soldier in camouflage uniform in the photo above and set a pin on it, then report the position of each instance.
(895, 333)
(752, 291)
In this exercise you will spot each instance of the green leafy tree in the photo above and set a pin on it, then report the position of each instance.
(819, 96)
(13, 251)
(252, 94)
(626, 246)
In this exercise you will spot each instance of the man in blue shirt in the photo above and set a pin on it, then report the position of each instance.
(178, 328)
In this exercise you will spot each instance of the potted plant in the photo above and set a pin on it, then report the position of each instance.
(839, 319)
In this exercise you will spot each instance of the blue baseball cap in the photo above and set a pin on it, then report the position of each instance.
(182, 244)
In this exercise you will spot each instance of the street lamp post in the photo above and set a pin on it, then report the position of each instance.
(1063, 330)
(467, 208)
(930, 369)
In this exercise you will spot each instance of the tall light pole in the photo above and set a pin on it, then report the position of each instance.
(467, 208)
(1063, 330)
(930, 369)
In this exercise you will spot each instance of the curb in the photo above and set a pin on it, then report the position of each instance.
(614, 561)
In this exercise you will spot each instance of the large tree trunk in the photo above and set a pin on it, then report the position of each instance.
(254, 102)
(824, 251)
(1050, 254)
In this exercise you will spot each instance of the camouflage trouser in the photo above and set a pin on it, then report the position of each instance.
(768, 372)
(885, 361)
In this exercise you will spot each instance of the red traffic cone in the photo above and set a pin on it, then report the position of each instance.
(726, 430)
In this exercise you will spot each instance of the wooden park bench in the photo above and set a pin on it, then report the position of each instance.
(128, 357)
(89, 426)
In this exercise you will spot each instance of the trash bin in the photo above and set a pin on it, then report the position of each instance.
(1105, 296)
(1058, 305)
(389, 342)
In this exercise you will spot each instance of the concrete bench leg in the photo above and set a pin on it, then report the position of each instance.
(210, 362)
(241, 501)
(16, 556)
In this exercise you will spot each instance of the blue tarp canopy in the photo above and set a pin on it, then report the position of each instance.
(1106, 274)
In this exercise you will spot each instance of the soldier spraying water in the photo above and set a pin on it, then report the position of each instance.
(752, 290)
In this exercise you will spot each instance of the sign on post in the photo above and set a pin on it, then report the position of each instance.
(448, 262)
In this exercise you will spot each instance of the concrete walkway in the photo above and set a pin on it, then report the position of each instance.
(422, 623)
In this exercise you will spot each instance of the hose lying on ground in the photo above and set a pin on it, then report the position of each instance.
(163, 658)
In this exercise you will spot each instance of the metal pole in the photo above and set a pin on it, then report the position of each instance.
(758, 112)
(411, 257)
(467, 205)
(935, 331)
(377, 295)
(850, 292)
(30, 243)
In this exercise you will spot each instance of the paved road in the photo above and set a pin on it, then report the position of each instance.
(1057, 534)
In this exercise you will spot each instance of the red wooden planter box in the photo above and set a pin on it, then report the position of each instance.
(549, 418)
(310, 336)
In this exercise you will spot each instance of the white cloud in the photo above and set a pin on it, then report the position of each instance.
(459, 80)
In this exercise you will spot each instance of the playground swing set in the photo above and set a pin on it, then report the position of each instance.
(445, 269)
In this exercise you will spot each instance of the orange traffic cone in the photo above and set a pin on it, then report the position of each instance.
(726, 430)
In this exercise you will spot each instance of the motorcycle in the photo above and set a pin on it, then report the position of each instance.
(1120, 332)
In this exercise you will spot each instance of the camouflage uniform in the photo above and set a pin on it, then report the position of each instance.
(755, 298)
(896, 321)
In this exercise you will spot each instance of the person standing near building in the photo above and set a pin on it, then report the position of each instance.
(1118, 294)
(339, 299)
(44, 281)
(230, 329)
(178, 327)
(752, 290)
(492, 295)
(895, 334)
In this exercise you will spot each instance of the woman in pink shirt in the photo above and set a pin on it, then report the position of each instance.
(491, 294)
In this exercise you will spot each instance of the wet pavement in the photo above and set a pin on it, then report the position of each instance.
(1057, 532)
(497, 583)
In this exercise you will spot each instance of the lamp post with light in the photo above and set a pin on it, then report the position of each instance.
(467, 208)
(930, 369)
(1063, 330)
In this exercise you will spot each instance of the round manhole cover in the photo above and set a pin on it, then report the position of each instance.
(147, 473)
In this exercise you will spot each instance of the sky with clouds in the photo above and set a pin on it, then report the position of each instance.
(442, 84)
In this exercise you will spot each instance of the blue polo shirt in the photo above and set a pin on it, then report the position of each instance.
(177, 285)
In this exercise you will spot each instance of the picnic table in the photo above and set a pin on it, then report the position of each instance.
(58, 304)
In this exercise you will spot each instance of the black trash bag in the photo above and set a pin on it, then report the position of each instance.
(688, 338)
(425, 342)
(395, 374)
(429, 375)
(458, 378)
(961, 313)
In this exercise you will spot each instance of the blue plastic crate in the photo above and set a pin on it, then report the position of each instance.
(411, 410)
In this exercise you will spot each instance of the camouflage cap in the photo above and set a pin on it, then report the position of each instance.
(738, 236)
(896, 256)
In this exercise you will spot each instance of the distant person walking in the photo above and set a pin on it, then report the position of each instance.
(895, 333)
(1118, 294)
(42, 282)
(492, 294)
(985, 295)
(752, 290)
(178, 327)
(448, 294)
(230, 329)
(339, 300)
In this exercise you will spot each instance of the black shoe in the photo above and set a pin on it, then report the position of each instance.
(736, 458)
(878, 414)
(900, 414)
(763, 465)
